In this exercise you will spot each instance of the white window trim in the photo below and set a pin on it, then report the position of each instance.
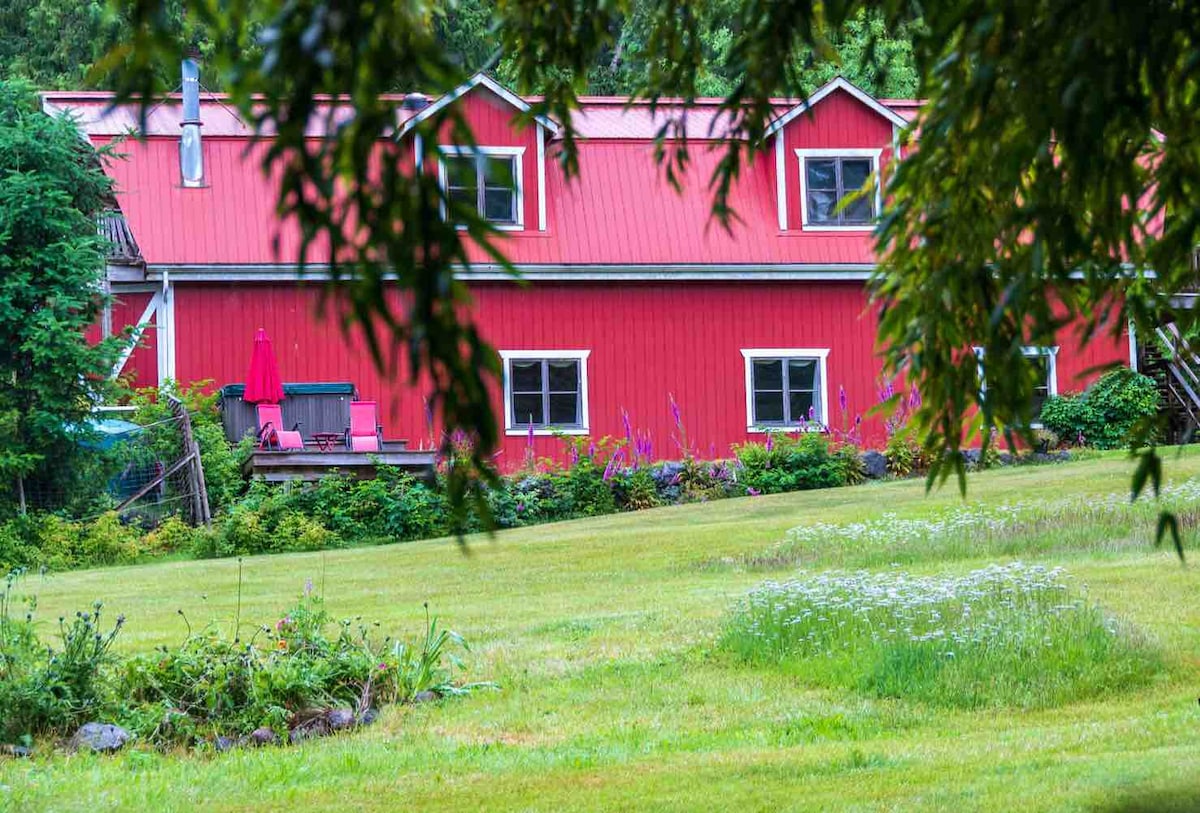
(876, 156)
(821, 354)
(1030, 351)
(517, 153)
(581, 356)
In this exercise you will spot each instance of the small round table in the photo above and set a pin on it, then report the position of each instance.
(327, 440)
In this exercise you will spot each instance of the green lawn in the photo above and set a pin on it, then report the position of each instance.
(601, 635)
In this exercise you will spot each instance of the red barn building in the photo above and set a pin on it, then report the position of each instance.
(635, 294)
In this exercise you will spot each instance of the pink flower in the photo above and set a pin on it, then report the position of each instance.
(842, 401)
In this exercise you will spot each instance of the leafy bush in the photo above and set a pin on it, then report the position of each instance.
(903, 455)
(48, 541)
(1104, 414)
(210, 684)
(792, 463)
(221, 462)
(44, 688)
(1004, 635)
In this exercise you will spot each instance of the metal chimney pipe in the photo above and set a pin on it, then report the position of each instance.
(191, 156)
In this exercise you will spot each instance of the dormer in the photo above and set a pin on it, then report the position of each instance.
(503, 175)
(826, 148)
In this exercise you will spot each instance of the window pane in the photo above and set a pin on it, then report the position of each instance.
(801, 403)
(564, 409)
(564, 375)
(802, 374)
(527, 409)
(821, 174)
(499, 172)
(768, 407)
(821, 206)
(854, 173)
(464, 197)
(499, 205)
(460, 172)
(859, 210)
(768, 374)
(526, 376)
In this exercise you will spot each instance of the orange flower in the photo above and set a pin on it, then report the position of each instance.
(282, 645)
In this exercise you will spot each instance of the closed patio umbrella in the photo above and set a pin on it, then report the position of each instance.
(262, 380)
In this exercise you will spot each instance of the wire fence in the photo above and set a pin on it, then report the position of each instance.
(143, 473)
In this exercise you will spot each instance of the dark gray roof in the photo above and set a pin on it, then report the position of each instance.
(122, 248)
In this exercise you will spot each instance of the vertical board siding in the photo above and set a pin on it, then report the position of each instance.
(647, 340)
(839, 121)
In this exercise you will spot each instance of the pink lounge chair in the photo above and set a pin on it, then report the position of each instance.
(271, 431)
(364, 434)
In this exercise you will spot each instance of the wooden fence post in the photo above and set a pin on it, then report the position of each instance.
(200, 508)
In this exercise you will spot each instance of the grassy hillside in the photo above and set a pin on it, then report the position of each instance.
(602, 636)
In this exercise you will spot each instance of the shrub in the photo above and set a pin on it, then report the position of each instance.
(1004, 635)
(634, 489)
(791, 463)
(1105, 413)
(903, 453)
(43, 688)
(214, 685)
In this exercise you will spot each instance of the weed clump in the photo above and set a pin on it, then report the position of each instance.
(1011, 635)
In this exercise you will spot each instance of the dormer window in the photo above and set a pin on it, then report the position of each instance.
(486, 179)
(829, 181)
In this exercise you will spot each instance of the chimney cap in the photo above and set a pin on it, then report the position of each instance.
(415, 101)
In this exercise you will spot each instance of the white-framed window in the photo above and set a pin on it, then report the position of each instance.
(546, 390)
(1045, 361)
(487, 179)
(828, 179)
(785, 388)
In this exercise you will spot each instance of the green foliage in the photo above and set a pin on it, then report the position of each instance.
(40, 540)
(46, 688)
(1107, 413)
(209, 684)
(221, 462)
(51, 264)
(903, 454)
(793, 463)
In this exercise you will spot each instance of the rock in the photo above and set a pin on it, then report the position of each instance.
(874, 464)
(340, 719)
(263, 736)
(102, 737)
(223, 744)
(16, 750)
(426, 697)
(367, 717)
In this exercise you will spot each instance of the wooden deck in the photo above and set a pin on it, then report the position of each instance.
(313, 464)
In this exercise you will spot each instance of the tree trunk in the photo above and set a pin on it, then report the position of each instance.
(21, 493)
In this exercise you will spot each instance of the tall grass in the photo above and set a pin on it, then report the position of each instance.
(1034, 527)
(1012, 635)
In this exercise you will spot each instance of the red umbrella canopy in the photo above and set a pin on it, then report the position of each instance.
(262, 380)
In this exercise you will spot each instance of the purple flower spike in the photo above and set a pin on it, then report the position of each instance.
(770, 441)
(676, 413)
(812, 413)
(628, 427)
(592, 448)
(529, 437)
(914, 398)
(842, 402)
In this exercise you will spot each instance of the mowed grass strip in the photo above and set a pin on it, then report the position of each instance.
(602, 634)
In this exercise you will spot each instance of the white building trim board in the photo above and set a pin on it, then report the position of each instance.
(837, 83)
(581, 356)
(821, 354)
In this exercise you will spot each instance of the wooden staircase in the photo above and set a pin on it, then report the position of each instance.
(1175, 367)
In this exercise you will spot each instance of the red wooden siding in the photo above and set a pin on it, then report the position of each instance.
(839, 121)
(142, 368)
(646, 341)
